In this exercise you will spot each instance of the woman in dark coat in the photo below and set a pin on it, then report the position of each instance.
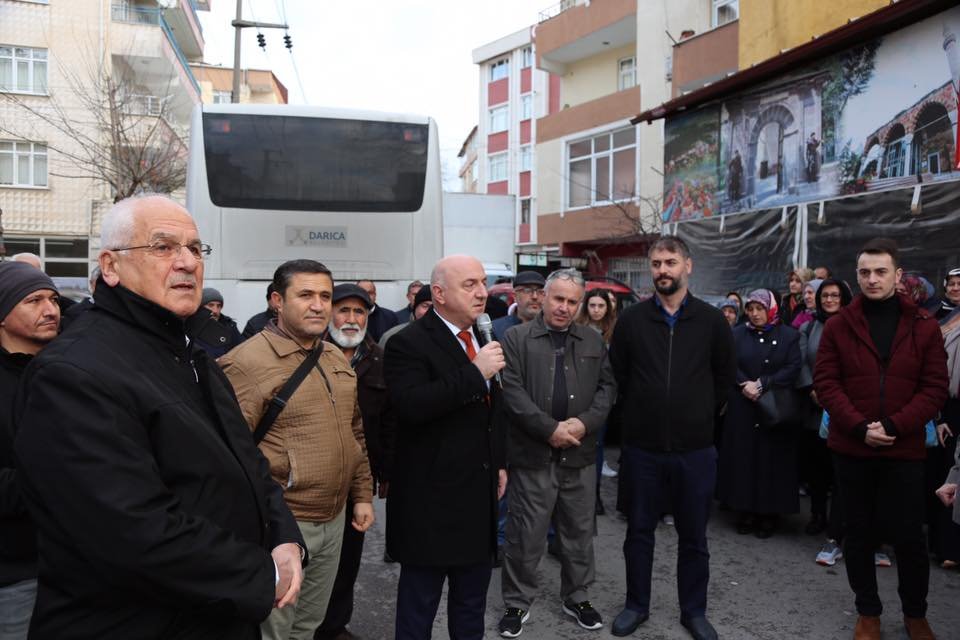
(758, 467)
(831, 296)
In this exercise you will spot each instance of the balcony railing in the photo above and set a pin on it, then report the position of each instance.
(135, 15)
(152, 16)
(192, 5)
(555, 10)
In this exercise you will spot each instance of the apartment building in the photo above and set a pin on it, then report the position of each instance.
(257, 86)
(513, 92)
(468, 163)
(56, 58)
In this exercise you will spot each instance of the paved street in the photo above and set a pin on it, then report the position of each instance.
(760, 589)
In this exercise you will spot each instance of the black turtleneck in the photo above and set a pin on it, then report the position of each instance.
(883, 316)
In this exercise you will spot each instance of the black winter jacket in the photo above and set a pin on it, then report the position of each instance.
(671, 382)
(18, 539)
(155, 512)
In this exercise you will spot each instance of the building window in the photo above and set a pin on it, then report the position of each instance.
(499, 69)
(725, 11)
(526, 157)
(635, 272)
(23, 164)
(526, 57)
(23, 69)
(526, 106)
(61, 257)
(525, 211)
(498, 118)
(627, 68)
(222, 97)
(497, 168)
(602, 169)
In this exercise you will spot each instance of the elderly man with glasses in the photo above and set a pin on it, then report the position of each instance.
(156, 514)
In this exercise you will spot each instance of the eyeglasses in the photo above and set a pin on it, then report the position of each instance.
(165, 250)
(530, 291)
(829, 296)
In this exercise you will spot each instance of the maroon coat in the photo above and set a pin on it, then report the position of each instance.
(855, 388)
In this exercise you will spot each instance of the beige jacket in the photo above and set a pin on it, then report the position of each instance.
(316, 447)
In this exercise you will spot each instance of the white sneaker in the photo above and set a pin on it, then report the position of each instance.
(881, 559)
(829, 554)
(667, 519)
(607, 471)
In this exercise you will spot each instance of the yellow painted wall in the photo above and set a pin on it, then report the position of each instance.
(767, 26)
(593, 78)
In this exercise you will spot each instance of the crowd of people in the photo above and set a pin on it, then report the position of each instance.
(165, 475)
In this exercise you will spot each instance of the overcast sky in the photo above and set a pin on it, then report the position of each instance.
(411, 56)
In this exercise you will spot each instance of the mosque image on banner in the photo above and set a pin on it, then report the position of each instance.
(882, 115)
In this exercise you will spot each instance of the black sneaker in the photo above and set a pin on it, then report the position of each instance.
(511, 624)
(587, 617)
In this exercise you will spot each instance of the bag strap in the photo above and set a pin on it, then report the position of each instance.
(279, 401)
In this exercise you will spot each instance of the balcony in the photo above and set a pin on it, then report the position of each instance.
(705, 58)
(610, 108)
(145, 50)
(183, 21)
(580, 31)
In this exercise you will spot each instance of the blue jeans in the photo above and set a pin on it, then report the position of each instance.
(16, 606)
(689, 478)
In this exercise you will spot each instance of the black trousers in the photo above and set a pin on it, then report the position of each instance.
(340, 607)
(688, 480)
(418, 596)
(882, 501)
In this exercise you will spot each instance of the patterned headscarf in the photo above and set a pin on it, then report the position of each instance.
(914, 287)
(766, 298)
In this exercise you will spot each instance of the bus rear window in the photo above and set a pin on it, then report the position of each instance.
(314, 164)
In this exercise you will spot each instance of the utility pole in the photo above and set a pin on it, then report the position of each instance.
(239, 24)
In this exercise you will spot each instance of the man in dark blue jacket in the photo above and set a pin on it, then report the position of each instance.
(673, 359)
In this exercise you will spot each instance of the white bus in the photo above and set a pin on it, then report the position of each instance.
(357, 190)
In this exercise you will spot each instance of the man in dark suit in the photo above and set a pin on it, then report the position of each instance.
(156, 514)
(448, 469)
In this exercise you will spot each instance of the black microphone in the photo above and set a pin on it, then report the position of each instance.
(485, 327)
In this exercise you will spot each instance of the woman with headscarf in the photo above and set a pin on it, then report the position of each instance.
(792, 302)
(738, 299)
(599, 313)
(730, 311)
(815, 461)
(758, 466)
(951, 294)
(809, 304)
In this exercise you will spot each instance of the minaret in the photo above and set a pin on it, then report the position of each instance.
(952, 51)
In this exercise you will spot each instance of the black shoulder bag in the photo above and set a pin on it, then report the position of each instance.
(279, 401)
(779, 408)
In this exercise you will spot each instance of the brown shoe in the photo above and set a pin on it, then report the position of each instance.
(918, 629)
(868, 628)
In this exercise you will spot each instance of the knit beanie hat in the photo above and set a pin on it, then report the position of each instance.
(210, 295)
(17, 281)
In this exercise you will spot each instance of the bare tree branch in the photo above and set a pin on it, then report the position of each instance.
(120, 135)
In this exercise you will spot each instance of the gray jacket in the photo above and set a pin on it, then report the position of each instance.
(528, 392)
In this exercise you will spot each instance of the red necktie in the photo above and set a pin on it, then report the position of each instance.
(467, 338)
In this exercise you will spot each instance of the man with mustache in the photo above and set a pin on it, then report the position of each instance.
(156, 515)
(554, 413)
(316, 444)
(528, 294)
(348, 330)
(29, 320)
(673, 359)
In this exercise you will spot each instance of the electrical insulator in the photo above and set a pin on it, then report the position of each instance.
(261, 41)
(287, 42)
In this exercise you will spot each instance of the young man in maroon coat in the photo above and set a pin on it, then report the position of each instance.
(881, 375)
